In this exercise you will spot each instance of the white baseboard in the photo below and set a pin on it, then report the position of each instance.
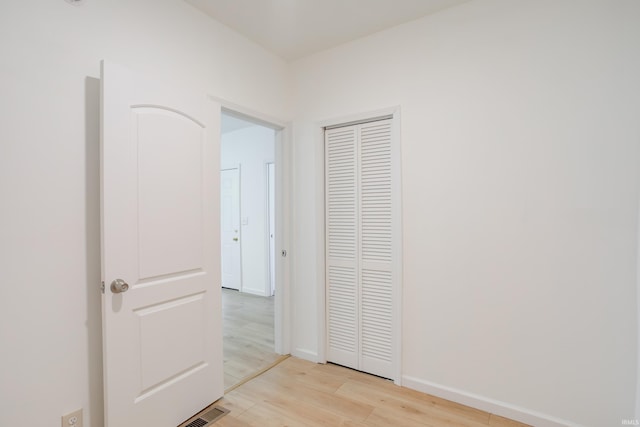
(486, 404)
(302, 353)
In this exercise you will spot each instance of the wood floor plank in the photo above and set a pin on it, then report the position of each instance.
(421, 412)
(266, 416)
(344, 406)
(419, 398)
(285, 408)
(382, 418)
(237, 403)
(248, 336)
(300, 393)
(316, 378)
(498, 421)
(230, 421)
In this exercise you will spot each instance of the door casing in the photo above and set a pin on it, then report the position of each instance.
(282, 328)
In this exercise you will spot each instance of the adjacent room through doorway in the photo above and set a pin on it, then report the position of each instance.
(248, 254)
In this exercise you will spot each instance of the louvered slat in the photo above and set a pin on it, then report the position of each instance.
(341, 193)
(375, 181)
(342, 309)
(376, 315)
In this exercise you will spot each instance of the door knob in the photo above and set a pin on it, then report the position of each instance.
(235, 239)
(118, 286)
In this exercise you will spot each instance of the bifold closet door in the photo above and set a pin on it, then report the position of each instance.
(359, 252)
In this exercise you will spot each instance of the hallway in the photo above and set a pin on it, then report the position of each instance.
(247, 334)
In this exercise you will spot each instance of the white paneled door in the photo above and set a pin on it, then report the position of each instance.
(230, 228)
(160, 252)
(360, 229)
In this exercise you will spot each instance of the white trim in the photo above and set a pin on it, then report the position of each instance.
(360, 122)
(267, 228)
(321, 314)
(394, 114)
(241, 287)
(397, 242)
(248, 114)
(270, 285)
(282, 322)
(637, 400)
(359, 117)
(486, 404)
(283, 168)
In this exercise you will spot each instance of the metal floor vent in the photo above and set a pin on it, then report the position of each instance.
(209, 417)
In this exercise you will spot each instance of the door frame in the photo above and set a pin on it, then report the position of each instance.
(282, 306)
(271, 258)
(396, 172)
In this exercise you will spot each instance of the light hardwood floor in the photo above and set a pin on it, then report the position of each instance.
(247, 326)
(301, 393)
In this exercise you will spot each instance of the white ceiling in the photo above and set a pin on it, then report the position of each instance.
(295, 28)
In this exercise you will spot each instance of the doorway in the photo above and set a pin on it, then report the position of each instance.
(248, 235)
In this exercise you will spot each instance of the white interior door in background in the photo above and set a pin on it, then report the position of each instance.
(160, 222)
(271, 200)
(230, 228)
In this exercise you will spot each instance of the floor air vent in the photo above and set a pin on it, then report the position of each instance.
(210, 416)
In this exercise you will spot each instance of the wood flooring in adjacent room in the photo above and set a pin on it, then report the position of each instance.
(301, 393)
(248, 343)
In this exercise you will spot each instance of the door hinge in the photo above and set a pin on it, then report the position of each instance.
(102, 287)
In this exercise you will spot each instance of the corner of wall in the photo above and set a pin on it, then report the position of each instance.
(305, 354)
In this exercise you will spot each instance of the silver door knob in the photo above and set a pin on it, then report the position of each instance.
(118, 286)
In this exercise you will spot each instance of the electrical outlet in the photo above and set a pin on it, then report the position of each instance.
(73, 419)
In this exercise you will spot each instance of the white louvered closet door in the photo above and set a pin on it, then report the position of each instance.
(359, 247)
(342, 246)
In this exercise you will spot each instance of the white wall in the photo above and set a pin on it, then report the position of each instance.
(252, 148)
(520, 148)
(50, 52)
